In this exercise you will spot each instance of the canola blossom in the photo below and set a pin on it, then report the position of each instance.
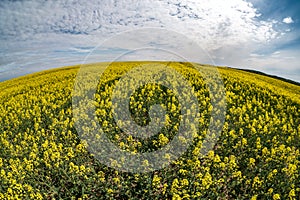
(256, 155)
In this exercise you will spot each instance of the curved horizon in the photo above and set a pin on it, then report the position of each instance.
(252, 34)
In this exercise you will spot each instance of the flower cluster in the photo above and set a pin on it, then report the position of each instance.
(256, 156)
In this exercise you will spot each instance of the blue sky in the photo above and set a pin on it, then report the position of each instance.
(280, 10)
(256, 34)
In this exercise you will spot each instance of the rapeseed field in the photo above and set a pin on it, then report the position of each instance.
(256, 155)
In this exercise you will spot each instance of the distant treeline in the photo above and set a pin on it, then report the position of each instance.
(272, 76)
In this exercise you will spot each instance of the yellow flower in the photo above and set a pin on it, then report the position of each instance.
(256, 182)
(9, 191)
(164, 189)
(207, 180)
(237, 174)
(146, 163)
(176, 197)
(211, 154)
(2, 173)
(156, 180)
(276, 196)
(82, 168)
(270, 191)
(182, 171)
(175, 186)
(73, 167)
(252, 161)
(217, 159)
(167, 156)
(116, 180)
(196, 151)
(271, 174)
(265, 151)
(184, 182)
(292, 193)
(163, 140)
(223, 165)
(110, 190)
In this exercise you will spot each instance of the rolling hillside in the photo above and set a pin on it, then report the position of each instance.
(256, 156)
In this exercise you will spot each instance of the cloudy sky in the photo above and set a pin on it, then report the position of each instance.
(254, 34)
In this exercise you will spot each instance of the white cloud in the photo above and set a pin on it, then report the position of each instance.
(288, 20)
(213, 23)
(56, 31)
